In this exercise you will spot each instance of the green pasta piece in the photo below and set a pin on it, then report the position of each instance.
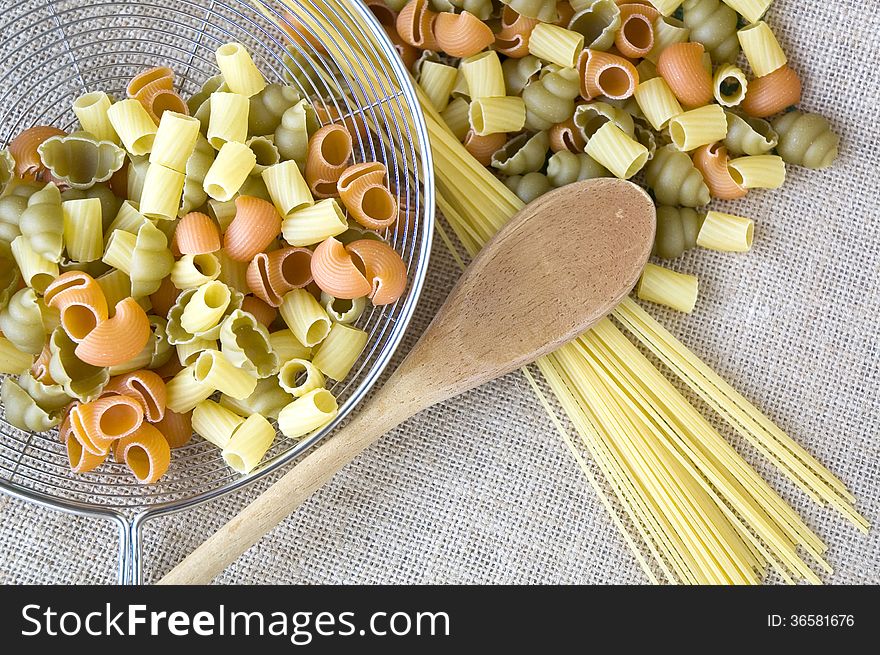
(292, 136)
(96, 268)
(110, 202)
(268, 106)
(268, 399)
(25, 321)
(7, 170)
(677, 230)
(265, 151)
(177, 334)
(550, 98)
(151, 260)
(11, 209)
(749, 136)
(255, 186)
(713, 24)
(675, 180)
(43, 223)
(806, 140)
(589, 117)
(10, 277)
(245, 342)
(599, 22)
(648, 138)
(79, 160)
(79, 380)
(520, 72)
(212, 84)
(529, 186)
(566, 167)
(197, 166)
(160, 349)
(50, 397)
(522, 154)
(482, 9)
(23, 412)
(137, 173)
(543, 10)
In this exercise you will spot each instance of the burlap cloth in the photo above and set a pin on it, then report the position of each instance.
(482, 489)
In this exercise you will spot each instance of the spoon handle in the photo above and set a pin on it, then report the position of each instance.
(383, 412)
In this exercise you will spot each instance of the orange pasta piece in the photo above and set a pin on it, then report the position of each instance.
(300, 34)
(144, 386)
(146, 453)
(176, 428)
(565, 136)
(80, 459)
(681, 65)
(364, 193)
(415, 25)
(72, 281)
(712, 161)
(386, 16)
(256, 224)
(336, 273)
(565, 12)
(164, 297)
(23, 149)
(354, 123)
(383, 268)
(605, 74)
(118, 339)
(271, 275)
(40, 368)
(328, 155)
(197, 234)
(772, 93)
(635, 38)
(483, 147)
(80, 302)
(107, 419)
(516, 30)
(262, 311)
(161, 75)
(462, 35)
(156, 99)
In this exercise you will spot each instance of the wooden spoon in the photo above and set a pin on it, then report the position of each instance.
(557, 268)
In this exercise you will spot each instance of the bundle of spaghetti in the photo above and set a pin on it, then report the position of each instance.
(700, 510)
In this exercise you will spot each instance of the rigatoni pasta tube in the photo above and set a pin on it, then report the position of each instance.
(128, 219)
(730, 85)
(314, 224)
(340, 350)
(752, 10)
(184, 392)
(91, 110)
(657, 102)
(484, 76)
(456, 117)
(215, 423)
(726, 232)
(497, 115)
(213, 369)
(617, 151)
(666, 7)
(761, 48)
(175, 141)
(233, 165)
(305, 317)
(133, 125)
(758, 172)
(83, 229)
(163, 188)
(299, 376)
(285, 344)
(305, 415)
(229, 119)
(437, 81)
(250, 442)
(556, 44)
(36, 271)
(206, 307)
(665, 287)
(287, 187)
(698, 127)
(12, 360)
(239, 71)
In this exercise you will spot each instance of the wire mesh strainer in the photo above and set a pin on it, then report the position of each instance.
(59, 49)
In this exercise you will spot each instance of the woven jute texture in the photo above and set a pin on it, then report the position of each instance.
(483, 490)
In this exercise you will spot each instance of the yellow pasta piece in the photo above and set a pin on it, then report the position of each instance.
(314, 224)
(83, 229)
(227, 174)
(163, 189)
(287, 188)
(285, 344)
(657, 102)
(128, 219)
(229, 119)
(188, 353)
(730, 85)
(213, 369)
(12, 360)
(36, 270)
(239, 71)
(249, 443)
(195, 270)
(497, 115)
(184, 392)
(456, 117)
(761, 48)
(133, 125)
(484, 76)
(299, 376)
(666, 7)
(92, 111)
(232, 273)
(116, 286)
(437, 81)
(758, 172)
(175, 141)
(214, 423)
(556, 44)
(617, 151)
(222, 212)
(698, 127)
(305, 317)
(752, 10)
(336, 355)
(307, 414)
(665, 287)
(667, 32)
(726, 232)
(206, 307)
